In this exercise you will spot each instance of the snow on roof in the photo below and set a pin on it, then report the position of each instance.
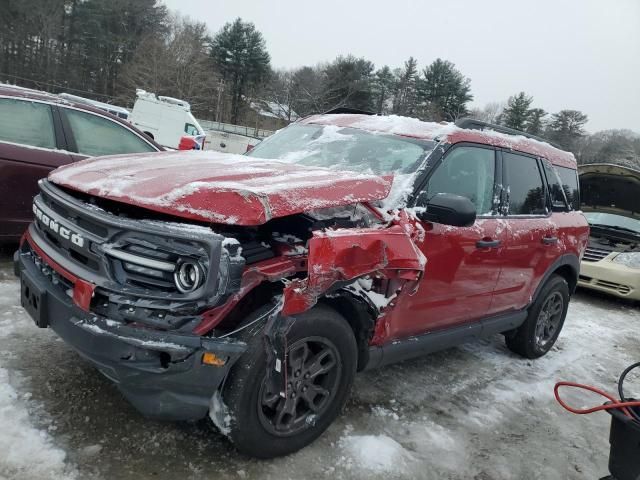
(445, 132)
(150, 96)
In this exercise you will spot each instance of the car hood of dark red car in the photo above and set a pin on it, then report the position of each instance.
(609, 188)
(218, 187)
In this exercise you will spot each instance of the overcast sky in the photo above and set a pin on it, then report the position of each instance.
(577, 54)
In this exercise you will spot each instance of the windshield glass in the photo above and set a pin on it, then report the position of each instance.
(344, 149)
(612, 220)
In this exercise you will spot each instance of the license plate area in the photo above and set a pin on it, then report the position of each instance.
(33, 299)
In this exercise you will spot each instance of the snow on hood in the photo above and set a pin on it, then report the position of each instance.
(218, 187)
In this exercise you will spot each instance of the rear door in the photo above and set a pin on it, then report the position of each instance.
(92, 135)
(463, 264)
(533, 242)
(31, 144)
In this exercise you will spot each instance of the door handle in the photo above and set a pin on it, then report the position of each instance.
(549, 240)
(487, 243)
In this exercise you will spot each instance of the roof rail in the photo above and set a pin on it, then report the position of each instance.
(338, 110)
(473, 124)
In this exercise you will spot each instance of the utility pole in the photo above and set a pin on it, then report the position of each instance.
(218, 107)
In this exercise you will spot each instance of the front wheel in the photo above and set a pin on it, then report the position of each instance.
(320, 368)
(545, 320)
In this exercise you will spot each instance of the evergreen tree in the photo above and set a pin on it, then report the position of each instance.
(404, 101)
(535, 122)
(383, 84)
(516, 114)
(307, 86)
(444, 91)
(347, 83)
(567, 128)
(240, 55)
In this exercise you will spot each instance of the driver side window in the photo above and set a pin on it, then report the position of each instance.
(468, 172)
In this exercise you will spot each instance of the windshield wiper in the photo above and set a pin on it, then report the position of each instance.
(615, 227)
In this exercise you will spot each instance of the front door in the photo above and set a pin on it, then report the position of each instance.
(463, 263)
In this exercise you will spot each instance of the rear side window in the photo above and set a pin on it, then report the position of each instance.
(569, 178)
(555, 187)
(469, 172)
(26, 123)
(97, 135)
(526, 189)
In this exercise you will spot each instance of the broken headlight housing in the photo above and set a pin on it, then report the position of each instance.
(629, 259)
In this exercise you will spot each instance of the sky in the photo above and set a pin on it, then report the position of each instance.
(567, 54)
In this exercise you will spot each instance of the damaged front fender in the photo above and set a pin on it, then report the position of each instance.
(337, 256)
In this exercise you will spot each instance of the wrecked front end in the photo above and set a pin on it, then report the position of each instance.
(110, 287)
(157, 305)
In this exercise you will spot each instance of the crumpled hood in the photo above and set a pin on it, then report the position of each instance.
(218, 187)
(610, 188)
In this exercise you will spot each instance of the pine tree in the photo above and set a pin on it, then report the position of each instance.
(535, 122)
(240, 54)
(444, 91)
(383, 84)
(567, 128)
(348, 83)
(405, 92)
(517, 113)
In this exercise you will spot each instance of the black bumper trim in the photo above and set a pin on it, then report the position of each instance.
(160, 373)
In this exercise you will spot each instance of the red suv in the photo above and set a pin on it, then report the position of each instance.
(252, 288)
(41, 131)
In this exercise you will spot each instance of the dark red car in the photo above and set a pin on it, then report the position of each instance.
(252, 288)
(40, 132)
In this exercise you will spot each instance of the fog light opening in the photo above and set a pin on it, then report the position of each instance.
(188, 277)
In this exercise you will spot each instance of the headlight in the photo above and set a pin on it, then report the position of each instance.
(630, 259)
(188, 276)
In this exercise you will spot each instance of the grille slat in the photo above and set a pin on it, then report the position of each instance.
(622, 289)
(592, 254)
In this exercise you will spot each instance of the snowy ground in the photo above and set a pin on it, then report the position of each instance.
(474, 412)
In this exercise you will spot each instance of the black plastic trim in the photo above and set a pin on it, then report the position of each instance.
(405, 349)
(567, 259)
(159, 372)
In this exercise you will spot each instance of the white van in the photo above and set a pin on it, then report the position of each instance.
(164, 119)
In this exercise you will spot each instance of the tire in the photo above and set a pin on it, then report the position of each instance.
(150, 135)
(535, 337)
(260, 425)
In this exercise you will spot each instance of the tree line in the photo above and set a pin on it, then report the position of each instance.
(105, 49)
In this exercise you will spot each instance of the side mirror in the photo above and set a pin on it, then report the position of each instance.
(449, 209)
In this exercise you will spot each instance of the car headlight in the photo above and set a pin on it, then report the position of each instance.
(188, 276)
(630, 259)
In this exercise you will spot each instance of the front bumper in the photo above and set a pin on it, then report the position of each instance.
(159, 372)
(612, 278)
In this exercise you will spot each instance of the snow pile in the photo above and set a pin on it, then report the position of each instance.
(219, 414)
(26, 452)
(375, 453)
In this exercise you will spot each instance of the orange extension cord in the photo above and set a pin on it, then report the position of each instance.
(614, 402)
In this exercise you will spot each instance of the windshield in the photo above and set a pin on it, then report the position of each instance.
(344, 149)
(613, 221)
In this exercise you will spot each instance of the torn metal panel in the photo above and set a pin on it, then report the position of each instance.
(346, 254)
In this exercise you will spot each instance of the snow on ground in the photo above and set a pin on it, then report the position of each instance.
(26, 452)
(473, 412)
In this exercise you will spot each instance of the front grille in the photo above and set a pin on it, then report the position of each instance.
(592, 254)
(126, 256)
(621, 289)
(146, 266)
